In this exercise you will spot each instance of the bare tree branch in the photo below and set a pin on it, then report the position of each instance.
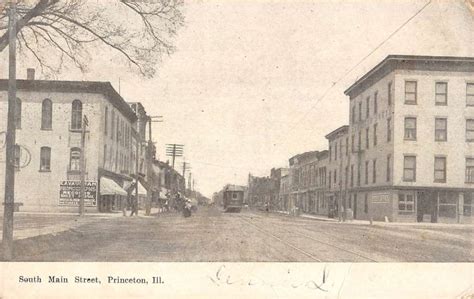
(142, 34)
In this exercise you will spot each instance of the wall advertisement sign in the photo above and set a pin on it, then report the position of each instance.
(70, 193)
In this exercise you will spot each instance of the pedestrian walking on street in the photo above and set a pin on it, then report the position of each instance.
(124, 203)
(134, 206)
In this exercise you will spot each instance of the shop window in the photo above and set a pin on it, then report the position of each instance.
(76, 115)
(448, 204)
(441, 93)
(409, 169)
(469, 170)
(75, 159)
(406, 203)
(45, 158)
(410, 92)
(46, 114)
(441, 129)
(410, 128)
(468, 203)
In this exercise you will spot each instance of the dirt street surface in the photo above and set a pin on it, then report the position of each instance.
(211, 235)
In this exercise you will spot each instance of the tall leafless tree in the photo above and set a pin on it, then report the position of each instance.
(57, 32)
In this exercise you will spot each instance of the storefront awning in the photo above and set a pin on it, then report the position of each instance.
(109, 187)
(141, 189)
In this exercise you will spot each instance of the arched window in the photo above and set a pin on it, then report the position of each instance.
(46, 114)
(75, 159)
(45, 158)
(18, 114)
(76, 116)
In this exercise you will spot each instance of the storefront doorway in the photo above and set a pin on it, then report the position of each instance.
(426, 206)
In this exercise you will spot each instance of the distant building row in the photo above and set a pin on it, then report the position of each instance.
(407, 154)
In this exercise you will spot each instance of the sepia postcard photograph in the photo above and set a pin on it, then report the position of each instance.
(236, 148)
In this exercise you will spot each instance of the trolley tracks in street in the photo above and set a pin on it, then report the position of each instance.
(353, 255)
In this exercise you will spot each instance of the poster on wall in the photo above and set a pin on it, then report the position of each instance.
(381, 198)
(70, 193)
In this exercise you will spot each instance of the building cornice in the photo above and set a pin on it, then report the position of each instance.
(410, 62)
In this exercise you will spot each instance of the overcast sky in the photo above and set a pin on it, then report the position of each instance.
(241, 91)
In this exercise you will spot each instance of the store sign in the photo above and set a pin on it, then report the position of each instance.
(381, 198)
(70, 193)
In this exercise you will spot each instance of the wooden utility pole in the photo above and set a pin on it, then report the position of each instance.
(85, 123)
(9, 204)
(149, 161)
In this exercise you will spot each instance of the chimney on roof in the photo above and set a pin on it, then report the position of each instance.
(30, 74)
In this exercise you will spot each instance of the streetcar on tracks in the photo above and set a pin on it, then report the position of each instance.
(233, 198)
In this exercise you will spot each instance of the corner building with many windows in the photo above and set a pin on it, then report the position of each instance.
(411, 138)
(49, 119)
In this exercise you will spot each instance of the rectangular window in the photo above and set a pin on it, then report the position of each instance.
(389, 169)
(335, 176)
(367, 138)
(366, 203)
(409, 169)
(441, 129)
(367, 109)
(389, 94)
(346, 176)
(112, 125)
(347, 146)
(469, 170)
(330, 153)
(440, 169)
(360, 111)
(352, 175)
(358, 174)
(352, 144)
(469, 130)
(406, 203)
(375, 103)
(335, 151)
(470, 94)
(375, 134)
(441, 93)
(410, 92)
(374, 171)
(410, 128)
(389, 129)
(105, 155)
(45, 159)
(353, 114)
(330, 178)
(366, 172)
(359, 144)
(468, 203)
(106, 122)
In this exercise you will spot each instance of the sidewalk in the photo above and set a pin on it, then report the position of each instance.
(381, 223)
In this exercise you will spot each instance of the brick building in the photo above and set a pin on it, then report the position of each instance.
(49, 119)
